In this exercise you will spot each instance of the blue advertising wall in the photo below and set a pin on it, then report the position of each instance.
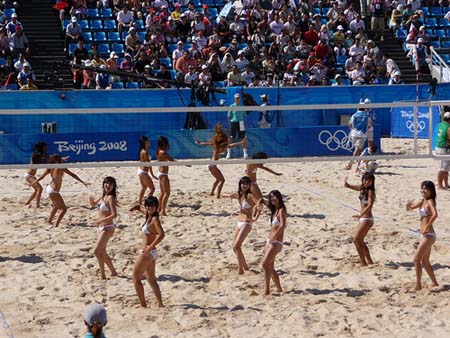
(402, 121)
(119, 146)
(22, 131)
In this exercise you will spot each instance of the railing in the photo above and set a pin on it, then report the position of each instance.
(439, 68)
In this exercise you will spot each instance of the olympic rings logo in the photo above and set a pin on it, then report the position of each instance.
(334, 141)
(410, 126)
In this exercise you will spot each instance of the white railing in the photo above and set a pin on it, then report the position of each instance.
(439, 68)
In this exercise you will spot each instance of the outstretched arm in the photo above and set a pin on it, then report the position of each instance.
(410, 205)
(269, 170)
(202, 143)
(235, 144)
(75, 176)
(47, 171)
(351, 186)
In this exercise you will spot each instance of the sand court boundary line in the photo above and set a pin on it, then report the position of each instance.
(4, 327)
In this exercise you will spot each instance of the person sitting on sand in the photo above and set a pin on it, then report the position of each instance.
(153, 234)
(107, 209)
(428, 214)
(55, 186)
(252, 169)
(365, 218)
(95, 319)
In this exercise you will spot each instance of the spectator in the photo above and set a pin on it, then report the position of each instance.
(350, 13)
(30, 85)
(396, 79)
(357, 49)
(248, 75)
(95, 319)
(311, 37)
(356, 24)
(195, 50)
(358, 75)
(97, 61)
(337, 80)
(205, 76)
(191, 77)
(227, 63)
(215, 67)
(25, 74)
(80, 54)
(163, 74)
(241, 62)
(234, 78)
(125, 19)
(236, 122)
(421, 56)
(79, 9)
(178, 52)
(73, 32)
(396, 18)
(339, 36)
(183, 63)
(350, 64)
(358, 132)
(276, 26)
(442, 148)
(127, 65)
(133, 44)
(424, 35)
(111, 65)
(18, 65)
(378, 12)
(233, 49)
(13, 24)
(103, 80)
(88, 75)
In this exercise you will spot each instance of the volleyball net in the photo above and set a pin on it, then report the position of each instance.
(293, 133)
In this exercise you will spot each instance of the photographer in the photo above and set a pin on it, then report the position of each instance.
(442, 148)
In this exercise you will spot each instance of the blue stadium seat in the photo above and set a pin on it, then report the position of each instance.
(242, 45)
(316, 10)
(12, 86)
(166, 61)
(96, 24)
(435, 44)
(84, 24)
(106, 13)
(132, 85)
(114, 37)
(440, 33)
(213, 13)
(171, 47)
(120, 60)
(117, 85)
(345, 82)
(72, 47)
(173, 73)
(445, 44)
(436, 11)
(8, 12)
(103, 49)
(109, 24)
(139, 24)
(100, 36)
(124, 35)
(209, 3)
(443, 22)
(325, 11)
(92, 13)
(87, 36)
(219, 84)
(2, 62)
(64, 24)
(340, 60)
(155, 72)
(445, 57)
(431, 22)
(118, 48)
(141, 35)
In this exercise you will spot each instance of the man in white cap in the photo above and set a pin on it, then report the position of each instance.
(12, 25)
(236, 122)
(73, 32)
(95, 319)
(442, 148)
(264, 116)
(396, 79)
(358, 132)
(133, 44)
(420, 56)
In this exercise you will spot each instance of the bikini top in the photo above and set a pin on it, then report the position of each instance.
(276, 222)
(423, 212)
(103, 206)
(364, 200)
(246, 205)
(253, 171)
(145, 230)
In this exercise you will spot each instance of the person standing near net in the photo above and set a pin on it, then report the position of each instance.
(358, 132)
(107, 211)
(236, 122)
(442, 148)
(163, 174)
(143, 172)
(428, 214)
(252, 169)
(365, 218)
(39, 156)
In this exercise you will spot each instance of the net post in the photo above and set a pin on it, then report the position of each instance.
(416, 123)
(430, 129)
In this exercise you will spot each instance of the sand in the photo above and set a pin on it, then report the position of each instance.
(48, 276)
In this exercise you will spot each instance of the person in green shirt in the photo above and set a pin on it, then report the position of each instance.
(442, 148)
(236, 121)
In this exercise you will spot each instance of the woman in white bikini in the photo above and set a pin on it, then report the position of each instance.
(428, 214)
(248, 214)
(143, 172)
(153, 234)
(365, 218)
(39, 156)
(252, 169)
(107, 211)
(218, 143)
(163, 174)
(55, 186)
(274, 242)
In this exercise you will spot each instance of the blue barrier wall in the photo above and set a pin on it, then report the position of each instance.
(403, 121)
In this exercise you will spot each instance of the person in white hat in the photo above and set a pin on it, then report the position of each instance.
(420, 55)
(442, 148)
(265, 118)
(73, 32)
(204, 78)
(95, 319)
(396, 79)
(237, 126)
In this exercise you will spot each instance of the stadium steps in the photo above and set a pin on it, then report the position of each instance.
(43, 29)
(393, 47)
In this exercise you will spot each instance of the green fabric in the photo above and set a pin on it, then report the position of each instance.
(442, 135)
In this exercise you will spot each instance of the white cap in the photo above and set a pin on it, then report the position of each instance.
(127, 55)
(237, 96)
(26, 64)
(447, 115)
(147, 67)
(397, 73)
(102, 66)
(204, 67)
(14, 15)
(367, 101)
(340, 28)
(132, 29)
(421, 27)
(263, 96)
(180, 42)
(419, 40)
(312, 77)
(74, 19)
(95, 313)
(113, 55)
(338, 76)
(240, 52)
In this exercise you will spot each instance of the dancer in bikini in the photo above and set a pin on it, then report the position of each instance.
(39, 156)
(248, 214)
(55, 186)
(428, 214)
(107, 209)
(143, 172)
(274, 242)
(163, 174)
(218, 143)
(365, 218)
(153, 234)
(251, 170)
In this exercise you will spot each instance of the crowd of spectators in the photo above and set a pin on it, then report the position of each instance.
(15, 70)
